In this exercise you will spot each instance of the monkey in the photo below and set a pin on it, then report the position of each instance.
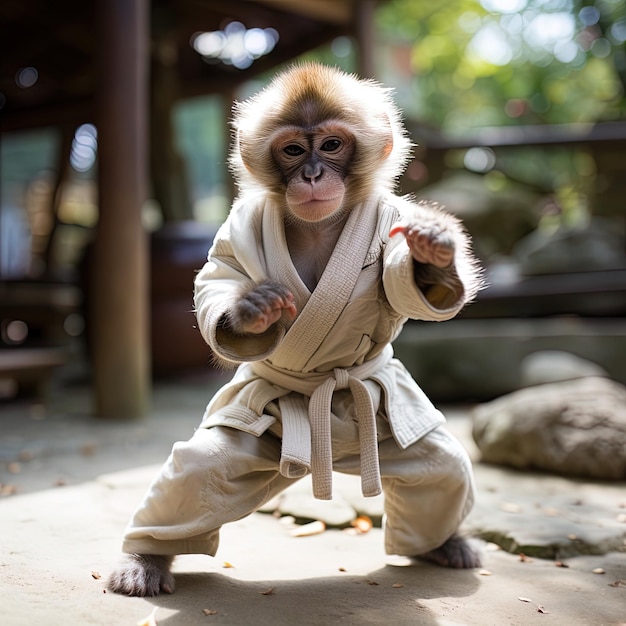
(312, 276)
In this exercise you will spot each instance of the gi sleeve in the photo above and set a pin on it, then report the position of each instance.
(234, 263)
(425, 292)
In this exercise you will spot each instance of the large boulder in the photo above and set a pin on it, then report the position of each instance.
(574, 427)
(551, 366)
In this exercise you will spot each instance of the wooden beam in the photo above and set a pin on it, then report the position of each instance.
(119, 284)
(364, 29)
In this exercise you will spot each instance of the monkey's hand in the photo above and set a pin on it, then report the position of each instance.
(429, 242)
(433, 243)
(260, 307)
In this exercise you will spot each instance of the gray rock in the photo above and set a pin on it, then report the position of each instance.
(551, 366)
(593, 246)
(347, 503)
(575, 427)
(546, 516)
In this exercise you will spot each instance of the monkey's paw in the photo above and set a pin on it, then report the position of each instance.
(456, 553)
(142, 575)
(262, 306)
(429, 242)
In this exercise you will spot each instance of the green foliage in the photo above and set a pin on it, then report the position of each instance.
(471, 63)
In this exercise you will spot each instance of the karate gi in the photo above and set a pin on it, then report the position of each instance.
(321, 393)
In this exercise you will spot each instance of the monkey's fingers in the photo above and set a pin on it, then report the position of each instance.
(424, 250)
(262, 322)
(289, 307)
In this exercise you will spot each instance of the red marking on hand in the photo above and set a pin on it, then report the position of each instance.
(397, 229)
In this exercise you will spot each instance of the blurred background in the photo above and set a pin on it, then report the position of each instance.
(114, 131)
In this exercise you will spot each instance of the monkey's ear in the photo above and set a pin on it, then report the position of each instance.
(388, 147)
(242, 149)
(388, 131)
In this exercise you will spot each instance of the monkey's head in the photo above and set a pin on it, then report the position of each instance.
(319, 140)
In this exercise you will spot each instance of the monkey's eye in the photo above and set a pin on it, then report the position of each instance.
(331, 145)
(293, 149)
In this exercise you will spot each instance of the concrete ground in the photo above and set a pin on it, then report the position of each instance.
(69, 483)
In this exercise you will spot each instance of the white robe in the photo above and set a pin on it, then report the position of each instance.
(358, 308)
(322, 393)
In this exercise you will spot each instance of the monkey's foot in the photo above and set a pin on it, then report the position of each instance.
(456, 552)
(142, 575)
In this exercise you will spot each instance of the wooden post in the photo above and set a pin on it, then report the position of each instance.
(119, 288)
(364, 30)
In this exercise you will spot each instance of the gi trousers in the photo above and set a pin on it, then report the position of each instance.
(222, 474)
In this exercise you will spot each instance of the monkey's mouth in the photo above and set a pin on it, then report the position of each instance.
(312, 200)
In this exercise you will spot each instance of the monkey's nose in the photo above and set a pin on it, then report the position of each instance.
(312, 172)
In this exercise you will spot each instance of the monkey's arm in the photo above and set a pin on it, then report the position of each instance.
(433, 247)
(240, 314)
(436, 255)
(259, 307)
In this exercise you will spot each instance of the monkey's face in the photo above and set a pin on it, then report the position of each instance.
(318, 142)
(314, 164)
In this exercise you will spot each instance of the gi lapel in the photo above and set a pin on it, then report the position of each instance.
(325, 304)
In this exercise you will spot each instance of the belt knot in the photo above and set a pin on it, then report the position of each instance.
(342, 377)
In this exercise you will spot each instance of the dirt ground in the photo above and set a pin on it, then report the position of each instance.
(77, 480)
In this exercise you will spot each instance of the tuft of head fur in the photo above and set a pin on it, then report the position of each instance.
(305, 95)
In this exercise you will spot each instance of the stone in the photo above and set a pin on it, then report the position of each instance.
(550, 366)
(347, 504)
(575, 427)
(597, 245)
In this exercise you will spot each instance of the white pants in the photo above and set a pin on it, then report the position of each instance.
(221, 475)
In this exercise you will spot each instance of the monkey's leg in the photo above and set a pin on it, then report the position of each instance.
(142, 575)
(218, 476)
(428, 492)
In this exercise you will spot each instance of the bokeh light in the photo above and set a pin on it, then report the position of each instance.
(235, 45)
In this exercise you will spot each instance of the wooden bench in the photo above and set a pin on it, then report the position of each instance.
(30, 369)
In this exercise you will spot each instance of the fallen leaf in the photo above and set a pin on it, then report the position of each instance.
(522, 599)
(7, 490)
(267, 592)
(60, 482)
(88, 449)
(561, 564)
(540, 609)
(363, 524)
(227, 565)
(371, 582)
(150, 620)
(397, 585)
(598, 570)
(524, 559)
(209, 612)
(312, 528)
(96, 575)
(551, 512)
(618, 583)
(484, 572)
(25, 456)
(510, 507)
(342, 569)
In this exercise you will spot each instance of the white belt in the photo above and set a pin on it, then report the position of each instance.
(307, 434)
